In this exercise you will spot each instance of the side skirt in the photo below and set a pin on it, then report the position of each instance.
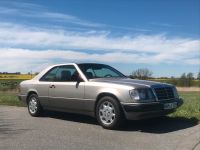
(88, 113)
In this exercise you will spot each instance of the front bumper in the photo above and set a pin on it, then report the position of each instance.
(22, 98)
(138, 111)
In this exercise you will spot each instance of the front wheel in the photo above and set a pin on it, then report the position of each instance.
(109, 113)
(34, 107)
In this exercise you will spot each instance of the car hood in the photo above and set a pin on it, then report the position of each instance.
(130, 82)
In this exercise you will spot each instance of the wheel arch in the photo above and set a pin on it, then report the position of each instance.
(29, 94)
(105, 94)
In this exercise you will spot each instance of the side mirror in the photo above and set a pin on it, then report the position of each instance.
(79, 79)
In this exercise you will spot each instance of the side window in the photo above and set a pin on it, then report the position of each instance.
(66, 74)
(50, 75)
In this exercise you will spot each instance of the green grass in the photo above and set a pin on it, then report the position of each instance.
(10, 98)
(190, 109)
(6, 84)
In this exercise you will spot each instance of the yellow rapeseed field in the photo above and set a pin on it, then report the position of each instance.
(16, 76)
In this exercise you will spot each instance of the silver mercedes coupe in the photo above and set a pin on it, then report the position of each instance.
(97, 90)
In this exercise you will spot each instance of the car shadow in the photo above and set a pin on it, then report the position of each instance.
(160, 125)
(70, 117)
(157, 125)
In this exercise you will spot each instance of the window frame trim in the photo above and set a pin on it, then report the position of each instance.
(75, 66)
(47, 73)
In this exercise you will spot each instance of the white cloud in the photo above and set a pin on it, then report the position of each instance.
(195, 61)
(34, 11)
(18, 41)
(27, 47)
(23, 36)
(26, 60)
(29, 10)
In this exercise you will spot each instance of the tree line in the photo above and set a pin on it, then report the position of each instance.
(185, 80)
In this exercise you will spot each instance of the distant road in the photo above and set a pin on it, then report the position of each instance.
(189, 89)
(56, 131)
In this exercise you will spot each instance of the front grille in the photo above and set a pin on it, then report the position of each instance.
(164, 93)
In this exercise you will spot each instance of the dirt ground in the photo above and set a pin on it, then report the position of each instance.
(188, 89)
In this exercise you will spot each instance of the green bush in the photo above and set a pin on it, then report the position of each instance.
(9, 84)
(179, 82)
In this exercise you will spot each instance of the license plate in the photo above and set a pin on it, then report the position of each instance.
(170, 105)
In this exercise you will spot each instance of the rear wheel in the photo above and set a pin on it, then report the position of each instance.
(109, 113)
(34, 107)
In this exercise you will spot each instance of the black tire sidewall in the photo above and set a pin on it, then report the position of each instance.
(118, 118)
(39, 109)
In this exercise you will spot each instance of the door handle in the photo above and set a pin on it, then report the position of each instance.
(52, 86)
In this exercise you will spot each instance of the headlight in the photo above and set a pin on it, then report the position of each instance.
(145, 94)
(175, 92)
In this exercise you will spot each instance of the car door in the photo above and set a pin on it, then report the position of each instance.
(66, 92)
(43, 86)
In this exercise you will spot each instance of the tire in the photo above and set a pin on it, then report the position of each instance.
(109, 113)
(34, 107)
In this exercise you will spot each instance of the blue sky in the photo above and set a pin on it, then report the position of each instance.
(163, 36)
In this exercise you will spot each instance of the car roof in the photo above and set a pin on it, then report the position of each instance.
(76, 64)
(48, 68)
(90, 64)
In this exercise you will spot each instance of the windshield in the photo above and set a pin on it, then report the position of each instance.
(92, 71)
